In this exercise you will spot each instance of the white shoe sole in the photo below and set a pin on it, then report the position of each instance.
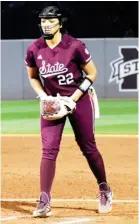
(104, 210)
(37, 214)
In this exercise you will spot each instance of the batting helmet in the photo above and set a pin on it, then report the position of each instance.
(48, 13)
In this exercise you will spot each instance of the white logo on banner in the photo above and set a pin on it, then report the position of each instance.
(124, 67)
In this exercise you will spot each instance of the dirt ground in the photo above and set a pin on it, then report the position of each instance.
(74, 180)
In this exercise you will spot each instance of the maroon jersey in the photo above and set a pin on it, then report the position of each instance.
(59, 67)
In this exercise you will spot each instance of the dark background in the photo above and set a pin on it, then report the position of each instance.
(85, 19)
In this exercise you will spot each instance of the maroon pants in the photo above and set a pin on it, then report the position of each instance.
(82, 121)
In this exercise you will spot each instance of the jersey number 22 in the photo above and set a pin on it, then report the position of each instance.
(65, 79)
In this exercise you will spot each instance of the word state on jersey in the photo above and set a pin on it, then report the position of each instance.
(57, 69)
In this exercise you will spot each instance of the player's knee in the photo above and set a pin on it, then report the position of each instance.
(92, 155)
(88, 146)
(50, 153)
(51, 142)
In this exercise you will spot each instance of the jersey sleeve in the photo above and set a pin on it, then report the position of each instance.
(29, 58)
(83, 55)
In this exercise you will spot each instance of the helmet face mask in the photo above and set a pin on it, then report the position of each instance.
(49, 27)
(51, 22)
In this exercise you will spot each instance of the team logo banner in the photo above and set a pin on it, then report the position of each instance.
(125, 69)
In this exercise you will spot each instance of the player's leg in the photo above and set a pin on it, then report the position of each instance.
(51, 132)
(82, 121)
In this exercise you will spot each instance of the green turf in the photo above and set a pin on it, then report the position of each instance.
(117, 117)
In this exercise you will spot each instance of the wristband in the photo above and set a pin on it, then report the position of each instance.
(85, 85)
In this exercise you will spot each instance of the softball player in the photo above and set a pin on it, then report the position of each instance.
(60, 60)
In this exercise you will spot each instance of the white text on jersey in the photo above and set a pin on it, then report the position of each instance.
(49, 70)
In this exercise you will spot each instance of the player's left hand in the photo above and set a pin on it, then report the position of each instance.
(67, 102)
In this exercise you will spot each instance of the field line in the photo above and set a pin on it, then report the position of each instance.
(15, 217)
(71, 221)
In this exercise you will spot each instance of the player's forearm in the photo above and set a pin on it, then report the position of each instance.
(78, 93)
(37, 86)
